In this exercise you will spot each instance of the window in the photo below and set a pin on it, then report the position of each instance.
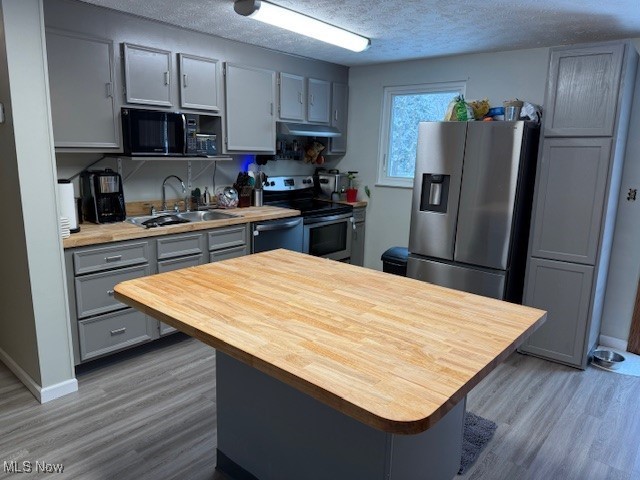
(404, 107)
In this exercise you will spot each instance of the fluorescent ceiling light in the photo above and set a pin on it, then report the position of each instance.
(299, 23)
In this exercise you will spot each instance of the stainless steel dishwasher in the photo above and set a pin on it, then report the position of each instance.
(282, 233)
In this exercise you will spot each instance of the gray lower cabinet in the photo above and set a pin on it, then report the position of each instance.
(229, 242)
(357, 239)
(178, 251)
(94, 292)
(109, 333)
(100, 324)
(176, 264)
(564, 291)
(81, 79)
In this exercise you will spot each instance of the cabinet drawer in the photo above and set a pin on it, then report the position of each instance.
(94, 293)
(177, 263)
(179, 245)
(228, 253)
(359, 214)
(115, 331)
(104, 258)
(227, 237)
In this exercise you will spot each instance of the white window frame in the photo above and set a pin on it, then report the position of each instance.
(384, 180)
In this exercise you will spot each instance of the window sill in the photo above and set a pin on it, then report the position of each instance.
(393, 185)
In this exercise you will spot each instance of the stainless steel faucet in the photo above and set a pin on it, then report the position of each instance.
(184, 193)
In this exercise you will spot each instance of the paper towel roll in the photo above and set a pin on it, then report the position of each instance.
(68, 204)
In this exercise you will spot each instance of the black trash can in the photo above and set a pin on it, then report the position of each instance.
(394, 260)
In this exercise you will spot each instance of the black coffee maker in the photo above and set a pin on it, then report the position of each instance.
(102, 196)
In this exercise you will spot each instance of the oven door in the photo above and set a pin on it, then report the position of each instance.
(152, 133)
(328, 236)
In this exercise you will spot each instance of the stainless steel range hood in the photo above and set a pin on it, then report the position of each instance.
(308, 130)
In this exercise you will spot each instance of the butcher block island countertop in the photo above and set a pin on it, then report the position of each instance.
(394, 353)
(92, 234)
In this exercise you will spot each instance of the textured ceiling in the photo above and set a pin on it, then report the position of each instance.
(408, 29)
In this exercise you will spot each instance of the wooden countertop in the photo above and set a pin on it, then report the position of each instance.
(91, 234)
(392, 352)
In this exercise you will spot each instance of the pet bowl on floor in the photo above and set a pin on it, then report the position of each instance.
(607, 359)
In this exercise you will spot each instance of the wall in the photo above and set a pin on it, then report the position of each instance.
(17, 322)
(624, 266)
(36, 324)
(145, 183)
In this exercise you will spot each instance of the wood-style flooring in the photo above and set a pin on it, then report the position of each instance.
(150, 414)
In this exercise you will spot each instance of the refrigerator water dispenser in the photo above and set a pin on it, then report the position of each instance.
(435, 193)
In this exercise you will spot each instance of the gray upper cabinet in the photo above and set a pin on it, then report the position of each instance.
(319, 100)
(570, 198)
(81, 78)
(250, 97)
(564, 291)
(292, 97)
(339, 107)
(147, 74)
(583, 90)
(198, 82)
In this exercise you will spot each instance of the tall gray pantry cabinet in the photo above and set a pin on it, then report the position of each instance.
(588, 99)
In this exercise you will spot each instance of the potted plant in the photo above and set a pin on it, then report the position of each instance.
(352, 190)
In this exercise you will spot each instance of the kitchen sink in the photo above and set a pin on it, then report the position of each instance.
(162, 219)
(204, 215)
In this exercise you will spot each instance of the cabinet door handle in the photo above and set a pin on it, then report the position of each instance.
(166, 78)
(185, 80)
(299, 97)
(110, 293)
(335, 115)
(114, 258)
(118, 331)
(271, 108)
(109, 87)
(311, 99)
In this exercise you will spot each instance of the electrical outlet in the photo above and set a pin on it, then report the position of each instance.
(631, 195)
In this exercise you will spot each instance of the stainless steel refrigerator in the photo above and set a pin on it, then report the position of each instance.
(471, 209)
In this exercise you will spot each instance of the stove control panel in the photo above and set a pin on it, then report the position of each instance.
(283, 184)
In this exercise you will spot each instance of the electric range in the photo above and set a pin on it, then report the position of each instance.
(328, 226)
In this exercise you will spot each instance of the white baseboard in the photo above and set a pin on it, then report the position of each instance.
(613, 342)
(45, 394)
(58, 390)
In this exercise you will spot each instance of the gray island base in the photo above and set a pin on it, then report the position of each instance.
(268, 430)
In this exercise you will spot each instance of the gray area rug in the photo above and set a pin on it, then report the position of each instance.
(477, 433)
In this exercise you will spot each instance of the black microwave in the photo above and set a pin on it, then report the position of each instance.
(153, 133)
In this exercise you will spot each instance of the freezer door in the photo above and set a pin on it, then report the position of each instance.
(472, 280)
(488, 193)
(436, 188)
